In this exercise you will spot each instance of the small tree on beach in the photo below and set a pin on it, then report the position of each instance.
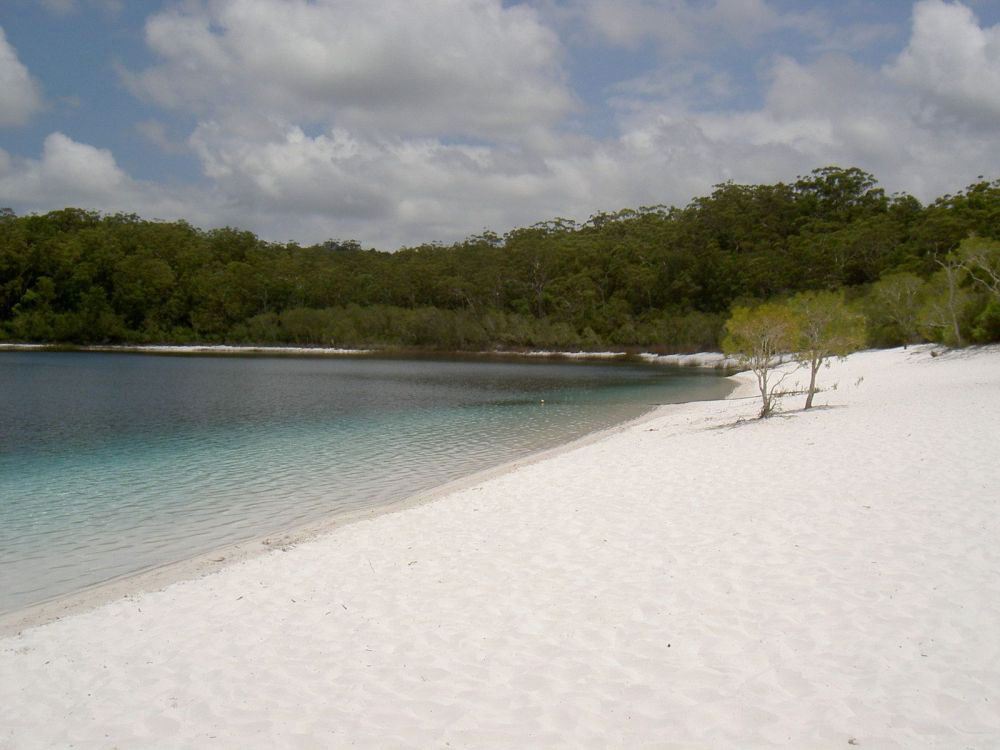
(826, 328)
(758, 338)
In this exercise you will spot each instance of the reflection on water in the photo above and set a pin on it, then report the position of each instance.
(111, 463)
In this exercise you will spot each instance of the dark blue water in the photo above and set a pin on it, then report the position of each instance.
(111, 463)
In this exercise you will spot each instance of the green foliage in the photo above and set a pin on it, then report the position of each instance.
(826, 328)
(980, 258)
(759, 337)
(893, 308)
(661, 278)
(943, 317)
(986, 326)
(961, 297)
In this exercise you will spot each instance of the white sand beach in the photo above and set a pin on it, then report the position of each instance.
(194, 349)
(822, 579)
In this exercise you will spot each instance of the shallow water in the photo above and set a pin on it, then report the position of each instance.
(111, 464)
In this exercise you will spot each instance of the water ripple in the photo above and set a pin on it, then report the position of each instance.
(110, 464)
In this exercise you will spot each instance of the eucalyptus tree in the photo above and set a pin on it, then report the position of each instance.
(947, 299)
(981, 259)
(826, 328)
(759, 338)
(897, 298)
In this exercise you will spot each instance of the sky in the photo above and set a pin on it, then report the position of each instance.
(401, 122)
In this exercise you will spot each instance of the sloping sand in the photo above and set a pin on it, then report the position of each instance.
(818, 580)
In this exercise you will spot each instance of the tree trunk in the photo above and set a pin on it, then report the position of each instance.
(765, 409)
(813, 369)
(953, 305)
(951, 274)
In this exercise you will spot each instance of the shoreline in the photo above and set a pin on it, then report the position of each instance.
(158, 577)
(706, 360)
(700, 578)
(185, 349)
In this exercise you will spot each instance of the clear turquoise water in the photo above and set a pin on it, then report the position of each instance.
(111, 464)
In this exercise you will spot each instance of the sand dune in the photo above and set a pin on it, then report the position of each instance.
(818, 580)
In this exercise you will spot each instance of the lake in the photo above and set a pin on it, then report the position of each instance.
(111, 464)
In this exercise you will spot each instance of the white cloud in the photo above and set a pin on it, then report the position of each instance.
(20, 95)
(332, 174)
(75, 173)
(832, 111)
(687, 85)
(467, 67)
(155, 132)
(951, 59)
(856, 37)
(309, 171)
(384, 190)
(684, 26)
(69, 173)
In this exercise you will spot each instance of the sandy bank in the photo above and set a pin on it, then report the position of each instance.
(711, 360)
(193, 349)
(808, 581)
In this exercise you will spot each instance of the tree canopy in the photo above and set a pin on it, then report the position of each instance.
(759, 338)
(826, 328)
(657, 277)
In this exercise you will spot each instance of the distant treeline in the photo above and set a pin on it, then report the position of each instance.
(658, 278)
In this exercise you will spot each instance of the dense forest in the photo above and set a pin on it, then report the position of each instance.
(657, 278)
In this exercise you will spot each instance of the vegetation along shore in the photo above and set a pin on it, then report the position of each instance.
(658, 278)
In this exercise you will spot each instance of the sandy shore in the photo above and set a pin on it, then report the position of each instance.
(713, 360)
(819, 580)
(192, 349)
